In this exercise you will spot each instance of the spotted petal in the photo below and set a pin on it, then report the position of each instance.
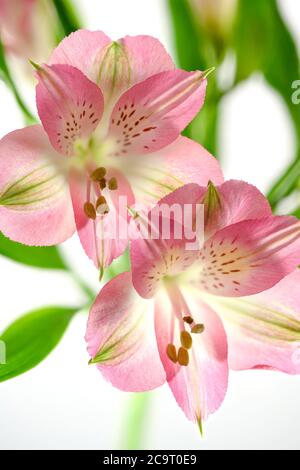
(70, 106)
(248, 257)
(152, 114)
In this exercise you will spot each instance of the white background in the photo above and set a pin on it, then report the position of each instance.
(63, 403)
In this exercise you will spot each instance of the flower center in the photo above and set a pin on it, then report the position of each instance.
(188, 327)
(97, 203)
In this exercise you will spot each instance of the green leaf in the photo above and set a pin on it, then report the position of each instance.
(40, 257)
(264, 43)
(67, 15)
(190, 54)
(287, 182)
(196, 51)
(31, 338)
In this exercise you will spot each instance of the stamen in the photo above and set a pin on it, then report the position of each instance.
(171, 353)
(102, 206)
(183, 357)
(198, 329)
(102, 183)
(189, 320)
(186, 340)
(89, 210)
(98, 174)
(113, 184)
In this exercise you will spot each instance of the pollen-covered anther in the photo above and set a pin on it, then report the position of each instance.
(102, 207)
(183, 357)
(198, 328)
(172, 353)
(113, 184)
(186, 340)
(189, 320)
(102, 183)
(90, 210)
(98, 174)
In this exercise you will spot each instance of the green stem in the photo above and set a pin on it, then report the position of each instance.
(135, 421)
(6, 76)
(84, 287)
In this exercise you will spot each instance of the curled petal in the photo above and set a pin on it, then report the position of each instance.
(70, 106)
(152, 114)
(232, 202)
(121, 339)
(35, 204)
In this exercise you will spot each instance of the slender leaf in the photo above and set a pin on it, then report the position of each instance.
(286, 183)
(31, 338)
(40, 257)
(190, 55)
(67, 15)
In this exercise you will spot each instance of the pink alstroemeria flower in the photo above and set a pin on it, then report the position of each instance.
(111, 113)
(232, 303)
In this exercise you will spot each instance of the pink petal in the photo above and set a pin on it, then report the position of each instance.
(146, 56)
(234, 202)
(70, 106)
(199, 388)
(248, 257)
(121, 338)
(114, 66)
(152, 114)
(264, 330)
(105, 238)
(80, 50)
(160, 250)
(184, 161)
(35, 204)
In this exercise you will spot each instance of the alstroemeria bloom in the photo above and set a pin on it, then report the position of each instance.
(111, 113)
(194, 314)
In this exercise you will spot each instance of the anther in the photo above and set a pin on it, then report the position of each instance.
(102, 206)
(183, 357)
(186, 340)
(171, 353)
(98, 174)
(102, 183)
(113, 184)
(89, 210)
(188, 320)
(197, 329)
